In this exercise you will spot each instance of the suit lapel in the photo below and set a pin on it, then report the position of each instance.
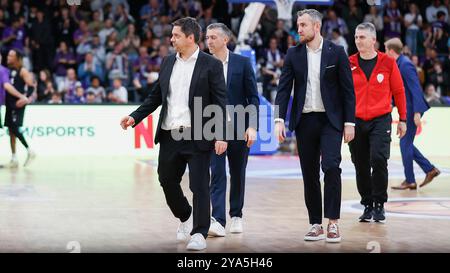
(165, 79)
(323, 58)
(304, 60)
(195, 75)
(230, 67)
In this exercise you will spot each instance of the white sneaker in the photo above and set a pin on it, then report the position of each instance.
(183, 230)
(197, 242)
(216, 229)
(236, 225)
(13, 164)
(30, 157)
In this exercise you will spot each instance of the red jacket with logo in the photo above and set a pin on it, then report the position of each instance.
(374, 97)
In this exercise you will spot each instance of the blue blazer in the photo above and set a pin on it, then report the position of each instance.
(241, 84)
(336, 85)
(415, 100)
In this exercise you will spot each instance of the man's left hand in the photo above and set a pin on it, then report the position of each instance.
(250, 136)
(349, 133)
(401, 129)
(220, 147)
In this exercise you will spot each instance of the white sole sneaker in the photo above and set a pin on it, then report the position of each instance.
(182, 237)
(315, 238)
(333, 240)
(213, 233)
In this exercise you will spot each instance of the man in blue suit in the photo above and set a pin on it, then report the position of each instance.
(323, 110)
(242, 92)
(416, 106)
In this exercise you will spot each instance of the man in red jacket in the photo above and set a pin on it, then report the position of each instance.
(376, 79)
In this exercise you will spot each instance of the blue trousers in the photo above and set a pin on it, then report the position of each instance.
(410, 153)
(237, 153)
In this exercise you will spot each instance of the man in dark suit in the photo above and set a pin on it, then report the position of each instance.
(416, 106)
(241, 91)
(323, 110)
(188, 82)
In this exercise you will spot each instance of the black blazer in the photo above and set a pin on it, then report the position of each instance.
(208, 84)
(336, 85)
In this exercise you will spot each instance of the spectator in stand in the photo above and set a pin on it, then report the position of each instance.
(377, 20)
(69, 85)
(45, 86)
(119, 94)
(56, 99)
(97, 23)
(97, 90)
(332, 22)
(65, 27)
(339, 40)
(90, 98)
(413, 23)
(432, 10)
(431, 96)
(271, 68)
(151, 11)
(175, 10)
(82, 34)
(64, 60)
(13, 37)
(42, 42)
(142, 66)
(207, 18)
(88, 69)
(440, 79)
(106, 31)
(420, 71)
(78, 98)
(117, 64)
(392, 21)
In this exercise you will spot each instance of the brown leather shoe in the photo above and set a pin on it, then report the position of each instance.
(333, 235)
(430, 176)
(405, 186)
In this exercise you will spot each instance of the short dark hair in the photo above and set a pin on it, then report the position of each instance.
(189, 26)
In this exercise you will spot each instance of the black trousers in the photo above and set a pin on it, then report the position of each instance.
(316, 137)
(370, 150)
(173, 158)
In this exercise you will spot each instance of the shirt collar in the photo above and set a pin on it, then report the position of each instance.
(228, 57)
(317, 50)
(193, 56)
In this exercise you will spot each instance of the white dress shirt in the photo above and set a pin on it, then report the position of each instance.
(313, 98)
(225, 66)
(178, 112)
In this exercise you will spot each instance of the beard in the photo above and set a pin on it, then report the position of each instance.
(307, 38)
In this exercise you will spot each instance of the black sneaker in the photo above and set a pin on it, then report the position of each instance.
(367, 215)
(378, 212)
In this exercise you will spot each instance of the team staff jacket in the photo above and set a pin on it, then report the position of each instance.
(374, 97)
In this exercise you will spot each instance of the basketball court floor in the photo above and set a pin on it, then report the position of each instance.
(115, 204)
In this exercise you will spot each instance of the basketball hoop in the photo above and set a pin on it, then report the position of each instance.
(284, 8)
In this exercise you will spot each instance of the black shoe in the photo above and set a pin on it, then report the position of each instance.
(367, 215)
(378, 212)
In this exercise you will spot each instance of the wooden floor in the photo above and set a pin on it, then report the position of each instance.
(104, 204)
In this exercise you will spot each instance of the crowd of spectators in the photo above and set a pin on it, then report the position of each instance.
(111, 50)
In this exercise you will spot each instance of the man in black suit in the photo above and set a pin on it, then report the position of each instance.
(189, 81)
(323, 110)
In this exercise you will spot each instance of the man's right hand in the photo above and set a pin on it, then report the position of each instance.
(280, 131)
(22, 101)
(126, 122)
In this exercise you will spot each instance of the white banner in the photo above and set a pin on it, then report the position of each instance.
(83, 130)
(95, 130)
